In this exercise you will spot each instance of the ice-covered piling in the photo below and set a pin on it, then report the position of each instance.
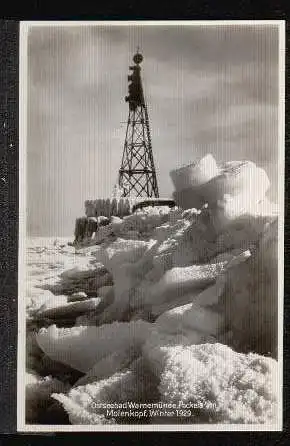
(108, 207)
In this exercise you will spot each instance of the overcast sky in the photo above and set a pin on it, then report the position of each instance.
(210, 89)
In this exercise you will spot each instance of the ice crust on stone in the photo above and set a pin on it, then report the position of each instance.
(71, 309)
(80, 295)
(81, 347)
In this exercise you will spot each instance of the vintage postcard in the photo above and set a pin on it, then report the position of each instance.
(151, 228)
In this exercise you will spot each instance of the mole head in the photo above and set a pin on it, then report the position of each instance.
(138, 58)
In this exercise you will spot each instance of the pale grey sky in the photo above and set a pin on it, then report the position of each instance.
(209, 90)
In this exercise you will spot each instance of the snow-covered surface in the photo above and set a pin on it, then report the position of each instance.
(218, 384)
(228, 387)
(163, 304)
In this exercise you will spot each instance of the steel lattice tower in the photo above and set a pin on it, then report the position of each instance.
(137, 175)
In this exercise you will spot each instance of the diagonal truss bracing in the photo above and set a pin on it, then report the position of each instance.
(137, 175)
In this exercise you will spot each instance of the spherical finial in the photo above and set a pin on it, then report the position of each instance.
(138, 58)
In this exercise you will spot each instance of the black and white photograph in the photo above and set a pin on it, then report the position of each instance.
(151, 226)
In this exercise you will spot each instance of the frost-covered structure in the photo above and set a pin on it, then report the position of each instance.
(118, 207)
(168, 305)
(98, 213)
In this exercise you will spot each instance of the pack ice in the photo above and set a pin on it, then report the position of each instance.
(165, 304)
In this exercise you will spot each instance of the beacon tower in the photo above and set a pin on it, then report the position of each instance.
(137, 175)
